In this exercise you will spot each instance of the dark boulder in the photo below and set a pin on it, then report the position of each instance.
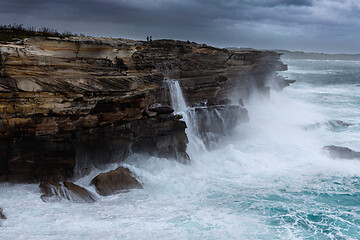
(80, 192)
(50, 191)
(55, 191)
(341, 152)
(114, 181)
(2, 215)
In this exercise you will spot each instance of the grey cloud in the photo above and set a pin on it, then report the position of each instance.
(274, 3)
(295, 24)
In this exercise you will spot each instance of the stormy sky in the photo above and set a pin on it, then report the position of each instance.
(310, 25)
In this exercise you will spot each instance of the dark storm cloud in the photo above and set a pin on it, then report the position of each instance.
(274, 3)
(323, 25)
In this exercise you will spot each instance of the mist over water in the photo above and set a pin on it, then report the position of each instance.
(268, 179)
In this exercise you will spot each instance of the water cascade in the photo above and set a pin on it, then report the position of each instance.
(196, 144)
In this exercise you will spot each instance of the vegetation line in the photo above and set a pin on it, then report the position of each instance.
(10, 32)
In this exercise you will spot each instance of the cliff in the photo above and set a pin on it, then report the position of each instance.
(68, 104)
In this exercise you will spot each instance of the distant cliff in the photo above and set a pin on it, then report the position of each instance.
(81, 101)
(318, 56)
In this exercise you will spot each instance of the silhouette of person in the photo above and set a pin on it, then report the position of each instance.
(147, 38)
(150, 38)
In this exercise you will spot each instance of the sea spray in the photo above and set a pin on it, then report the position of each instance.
(207, 123)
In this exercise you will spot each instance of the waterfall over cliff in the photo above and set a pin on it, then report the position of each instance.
(196, 144)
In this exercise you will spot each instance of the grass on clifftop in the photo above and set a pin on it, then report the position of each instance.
(11, 31)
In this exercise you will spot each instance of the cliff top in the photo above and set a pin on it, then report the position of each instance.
(18, 34)
(17, 31)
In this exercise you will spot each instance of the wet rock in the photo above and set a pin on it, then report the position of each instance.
(214, 102)
(341, 152)
(178, 116)
(2, 215)
(115, 181)
(55, 191)
(338, 124)
(81, 192)
(150, 113)
(97, 152)
(162, 136)
(162, 110)
(217, 121)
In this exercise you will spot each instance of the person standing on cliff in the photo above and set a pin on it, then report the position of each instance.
(150, 38)
(147, 38)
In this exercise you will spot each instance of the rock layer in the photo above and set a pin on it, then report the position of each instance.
(72, 103)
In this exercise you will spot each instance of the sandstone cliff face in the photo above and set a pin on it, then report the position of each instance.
(77, 102)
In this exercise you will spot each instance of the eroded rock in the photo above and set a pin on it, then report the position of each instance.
(55, 191)
(341, 152)
(114, 181)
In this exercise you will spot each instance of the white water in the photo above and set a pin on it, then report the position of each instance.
(196, 145)
(268, 180)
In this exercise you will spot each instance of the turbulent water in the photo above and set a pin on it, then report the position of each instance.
(268, 180)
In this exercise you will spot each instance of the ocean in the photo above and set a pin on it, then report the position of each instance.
(268, 179)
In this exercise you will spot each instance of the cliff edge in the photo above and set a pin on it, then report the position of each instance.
(78, 102)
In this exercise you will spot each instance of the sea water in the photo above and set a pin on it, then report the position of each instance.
(269, 179)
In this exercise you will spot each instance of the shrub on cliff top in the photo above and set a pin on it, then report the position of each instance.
(10, 31)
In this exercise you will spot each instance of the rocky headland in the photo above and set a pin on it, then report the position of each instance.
(72, 103)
